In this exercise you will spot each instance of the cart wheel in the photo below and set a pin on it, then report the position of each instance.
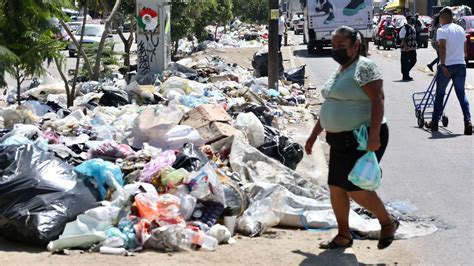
(418, 113)
(445, 121)
(421, 122)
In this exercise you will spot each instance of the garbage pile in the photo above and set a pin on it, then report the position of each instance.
(180, 164)
(236, 35)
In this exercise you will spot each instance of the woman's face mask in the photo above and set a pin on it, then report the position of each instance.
(340, 56)
(343, 50)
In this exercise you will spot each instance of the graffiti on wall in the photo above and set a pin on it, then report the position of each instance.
(149, 27)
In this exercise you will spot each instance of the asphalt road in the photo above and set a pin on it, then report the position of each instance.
(433, 172)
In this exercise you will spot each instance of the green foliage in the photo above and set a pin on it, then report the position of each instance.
(27, 36)
(183, 16)
(224, 11)
(109, 59)
(252, 11)
(191, 17)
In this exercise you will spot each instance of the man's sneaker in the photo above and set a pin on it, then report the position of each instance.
(433, 125)
(354, 7)
(467, 128)
(329, 19)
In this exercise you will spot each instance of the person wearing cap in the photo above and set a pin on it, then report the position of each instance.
(418, 28)
(408, 48)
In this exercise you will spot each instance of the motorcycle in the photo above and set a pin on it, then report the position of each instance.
(388, 39)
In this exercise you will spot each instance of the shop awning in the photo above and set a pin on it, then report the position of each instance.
(394, 5)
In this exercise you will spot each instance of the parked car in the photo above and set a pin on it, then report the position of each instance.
(424, 35)
(74, 26)
(297, 23)
(92, 35)
(467, 22)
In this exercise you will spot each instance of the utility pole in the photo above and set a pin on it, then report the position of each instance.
(273, 62)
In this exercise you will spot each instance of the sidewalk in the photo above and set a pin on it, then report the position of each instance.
(364, 251)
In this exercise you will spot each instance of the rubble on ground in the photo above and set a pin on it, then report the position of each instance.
(160, 166)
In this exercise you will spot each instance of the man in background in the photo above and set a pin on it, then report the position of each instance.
(282, 28)
(408, 48)
(452, 51)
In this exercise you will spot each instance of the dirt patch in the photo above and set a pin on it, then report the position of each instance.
(277, 247)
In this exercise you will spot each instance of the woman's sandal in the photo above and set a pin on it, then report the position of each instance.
(384, 243)
(334, 245)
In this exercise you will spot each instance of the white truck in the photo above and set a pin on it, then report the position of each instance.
(322, 17)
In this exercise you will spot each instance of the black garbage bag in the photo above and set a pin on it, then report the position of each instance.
(279, 147)
(114, 97)
(39, 194)
(296, 75)
(260, 63)
(263, 113)
(182, 71)
(190, 158)
(251, 36)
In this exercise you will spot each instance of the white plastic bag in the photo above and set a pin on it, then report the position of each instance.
(175, 138)
(151, 124)
(366, 173)
(251, 126)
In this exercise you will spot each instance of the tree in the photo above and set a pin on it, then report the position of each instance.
(108, 23)
(183, 16)
(253, 11)
(27, 37)
(102, 7)
(223, 13)
(190, 18)
(7, 58)
(127, 11)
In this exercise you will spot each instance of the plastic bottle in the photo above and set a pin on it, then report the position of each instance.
(113, 251)
(199, 238)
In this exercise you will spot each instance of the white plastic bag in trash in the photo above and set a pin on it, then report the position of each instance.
(175, 138)
(87, 229)
(153, 124)
(251, 126)
(262, 215)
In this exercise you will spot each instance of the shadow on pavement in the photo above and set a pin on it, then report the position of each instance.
(10, 246)
(444, 135)
(328, 257)
(304, 53)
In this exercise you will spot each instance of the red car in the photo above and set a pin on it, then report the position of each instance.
(467, 22)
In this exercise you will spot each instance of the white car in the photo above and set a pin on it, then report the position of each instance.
(92, 35)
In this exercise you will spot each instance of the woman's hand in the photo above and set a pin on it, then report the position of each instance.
(373, 143)
(308, 147)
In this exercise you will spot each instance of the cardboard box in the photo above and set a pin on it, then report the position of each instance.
(205, 114)
(215, 131)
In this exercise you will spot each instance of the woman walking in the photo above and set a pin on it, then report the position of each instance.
(353, 97)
